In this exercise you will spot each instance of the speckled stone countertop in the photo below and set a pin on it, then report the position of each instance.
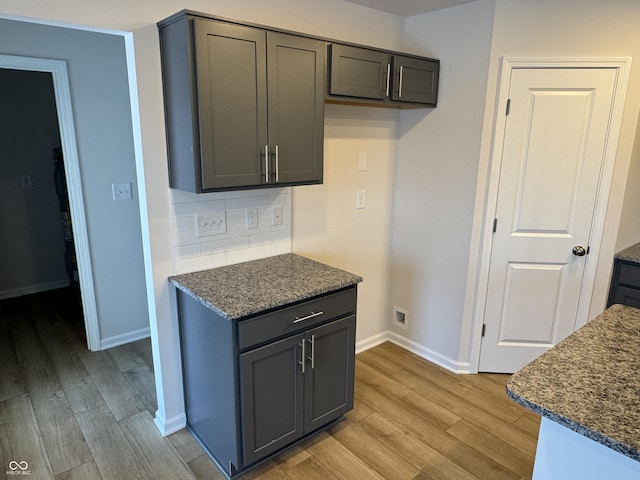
(590, 382)
(243, 289)
(631, 254)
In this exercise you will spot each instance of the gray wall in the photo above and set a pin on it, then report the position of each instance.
(31, 237)
(100, 97)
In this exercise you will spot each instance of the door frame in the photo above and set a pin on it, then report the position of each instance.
(62, 91)
(623, 66)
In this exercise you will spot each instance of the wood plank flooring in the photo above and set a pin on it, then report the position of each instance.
(74, 414)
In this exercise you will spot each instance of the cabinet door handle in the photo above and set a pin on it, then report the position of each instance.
(277, 165)
(266, 163)
(388, 77)
(313, 352)
(303, 360)
(302, 319)
(400, 87)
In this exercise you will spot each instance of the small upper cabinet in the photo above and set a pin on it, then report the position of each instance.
(358, 72)
(381, 78)
(244, 106)
(415, 80)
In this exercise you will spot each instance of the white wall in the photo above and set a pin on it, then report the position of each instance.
(102, 115)
(31, 236)
(629, 232)
(326, 224)
(435, 180)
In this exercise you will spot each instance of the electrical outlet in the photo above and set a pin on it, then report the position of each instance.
(276, 215)
(121, 191)
(252, 218)
(361, 199)
(211, 224)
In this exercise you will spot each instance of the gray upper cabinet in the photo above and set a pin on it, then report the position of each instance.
(380, 77)
(295, 85)
(415, 80)
(244, 106)
(358, 72)
(231, 72)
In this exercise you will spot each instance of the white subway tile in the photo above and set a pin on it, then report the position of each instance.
(281, 247)
(212, 205)
(239, 244)
(249, 202)
(187, 237)
(180, 196)
(206, 197)
(181, 224)
(236, 217)
(190, 265)
(248, 254)
(187, 251)
(224, 245)
(268, 238)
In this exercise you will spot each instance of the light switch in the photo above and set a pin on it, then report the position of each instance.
(361, 199)
(121, 191)
(362, 161)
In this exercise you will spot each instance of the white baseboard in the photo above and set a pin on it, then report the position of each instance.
(41, 287)
(371, 342)
(413, 347)
(167, 427)
(118, 340)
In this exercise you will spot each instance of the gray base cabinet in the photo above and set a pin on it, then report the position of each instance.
(625, 284)
(258, 385)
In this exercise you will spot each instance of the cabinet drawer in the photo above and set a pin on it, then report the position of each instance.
(629, 275)
(295, 318)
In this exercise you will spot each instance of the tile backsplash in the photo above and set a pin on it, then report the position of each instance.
(238, 243)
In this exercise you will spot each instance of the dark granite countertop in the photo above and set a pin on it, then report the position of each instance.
(630, 254)
(244, 289)
(590, 382)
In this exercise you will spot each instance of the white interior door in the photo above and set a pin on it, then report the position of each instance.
(552, 155)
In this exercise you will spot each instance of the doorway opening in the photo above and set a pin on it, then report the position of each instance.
(37, 248)
(45, 227)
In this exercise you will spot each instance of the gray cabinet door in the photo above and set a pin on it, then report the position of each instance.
(330, 374)
(231, 82)
(415, 80)
(271, 392)
(358, 72)
(295, 73)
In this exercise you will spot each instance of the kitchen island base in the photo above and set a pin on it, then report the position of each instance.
(563, 454)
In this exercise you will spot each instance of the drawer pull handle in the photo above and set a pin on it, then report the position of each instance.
(302, 319)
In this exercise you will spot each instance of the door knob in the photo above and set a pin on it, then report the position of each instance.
(579, 251)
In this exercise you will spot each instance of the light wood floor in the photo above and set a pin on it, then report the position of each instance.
(73, 414)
